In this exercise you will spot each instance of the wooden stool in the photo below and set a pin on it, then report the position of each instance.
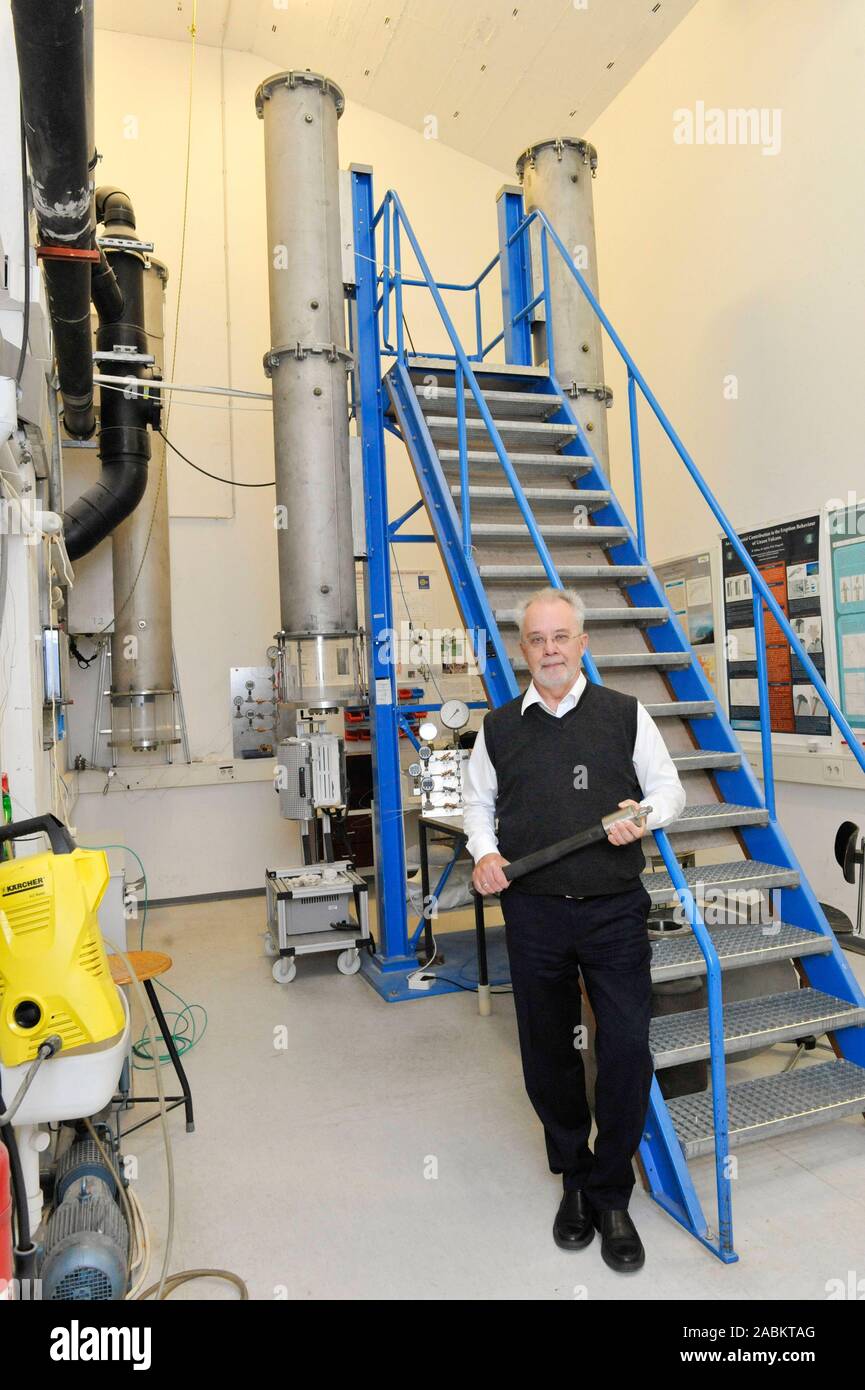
(147, 965)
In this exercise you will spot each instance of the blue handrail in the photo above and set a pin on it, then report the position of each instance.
(758, 583)
(636, 378)
(463, 372)
(761, 592)
(401, 220)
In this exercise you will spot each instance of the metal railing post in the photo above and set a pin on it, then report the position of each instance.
(397, 271)
(635, 459)
(765, 710)
(716, 1042)
(548, 310)
(385, 270)
(465, 505)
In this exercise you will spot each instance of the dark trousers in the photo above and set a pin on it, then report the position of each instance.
(551, 940)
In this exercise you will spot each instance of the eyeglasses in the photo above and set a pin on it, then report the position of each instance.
(558, 639)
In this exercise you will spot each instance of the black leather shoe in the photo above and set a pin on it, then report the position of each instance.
(621, 1247)
(573, 1228)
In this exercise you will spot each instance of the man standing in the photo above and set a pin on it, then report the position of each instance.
(550, 763)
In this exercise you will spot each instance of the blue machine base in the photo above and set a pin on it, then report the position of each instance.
(458, 974)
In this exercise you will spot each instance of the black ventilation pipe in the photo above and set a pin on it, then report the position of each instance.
(53, 39)
(50, 40)
(124, 441)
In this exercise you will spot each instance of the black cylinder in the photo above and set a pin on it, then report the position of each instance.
(50, 39)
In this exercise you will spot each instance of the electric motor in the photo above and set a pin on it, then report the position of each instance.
(86, 1240)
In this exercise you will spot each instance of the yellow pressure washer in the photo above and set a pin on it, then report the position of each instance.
(54, 974)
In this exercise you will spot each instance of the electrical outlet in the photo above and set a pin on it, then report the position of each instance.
(833, 770)
(225, 772)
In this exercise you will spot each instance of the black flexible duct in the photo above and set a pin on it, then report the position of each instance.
(50, 40)
(124, 441)
(25, 1250)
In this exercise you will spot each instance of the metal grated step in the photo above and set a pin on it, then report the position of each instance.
(770, 1105)
(706, 758)
(446, 367)
(589, 497)
(717, 815)
(772, 1018)
(536, 574)
(682, 709)
(610, 661)
(478, 459)
(507, 617)
(514, 433)
(573, 535)
(667, 660)
(518, 404)
(739, 945)
(742, 874)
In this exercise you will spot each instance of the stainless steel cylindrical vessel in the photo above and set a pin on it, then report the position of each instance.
(557, 180)
(142, 674)
(308, 362)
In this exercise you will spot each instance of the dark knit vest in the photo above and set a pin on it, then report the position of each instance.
(559, 776)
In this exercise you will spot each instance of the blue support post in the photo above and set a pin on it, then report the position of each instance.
(516, 278)
(392, 927)
(717, 1064)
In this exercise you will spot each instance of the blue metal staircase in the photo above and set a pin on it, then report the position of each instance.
(517, 499)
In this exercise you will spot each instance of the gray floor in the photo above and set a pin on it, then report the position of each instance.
(389, 1151)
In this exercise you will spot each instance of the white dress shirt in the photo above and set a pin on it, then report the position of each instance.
(655, 770)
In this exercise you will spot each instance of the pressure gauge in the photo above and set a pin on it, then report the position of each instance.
(426, 784)
(454, 714)
(425, 754)
(414, 769)
(428, 731)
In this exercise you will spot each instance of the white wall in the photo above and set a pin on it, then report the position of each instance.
(713, 260)
(717, 260)
(223, 550)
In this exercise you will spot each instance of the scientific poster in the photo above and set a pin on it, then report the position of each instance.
(688, 590)
(847, 533)
(788, 558)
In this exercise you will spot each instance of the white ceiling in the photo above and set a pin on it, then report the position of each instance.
(496, 74)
